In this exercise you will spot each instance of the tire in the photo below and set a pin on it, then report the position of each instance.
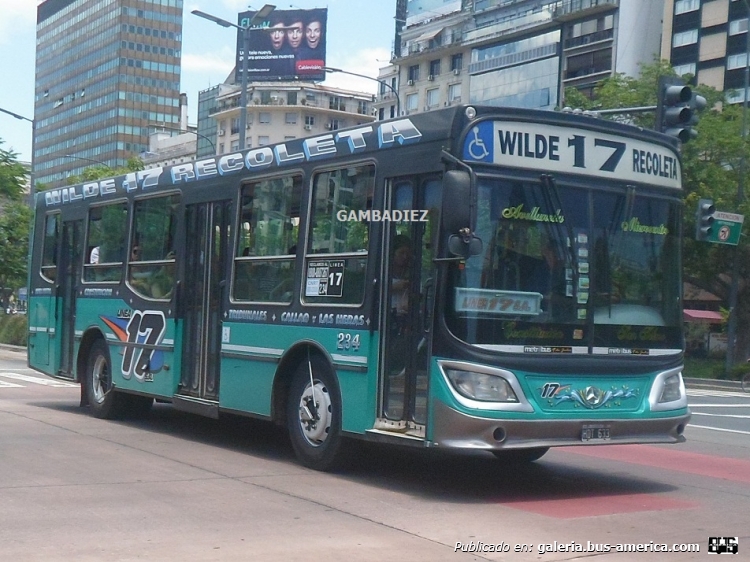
(315, 427)
(521, 455)
(104, 401)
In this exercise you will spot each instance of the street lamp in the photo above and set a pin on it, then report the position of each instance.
(33, 134)
(196, 133)
(383, 82)
(88, 160)
(261, 14)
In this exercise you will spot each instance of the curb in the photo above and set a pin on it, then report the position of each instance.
(713, 384)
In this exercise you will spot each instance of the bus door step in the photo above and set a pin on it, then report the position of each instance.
(193, 405)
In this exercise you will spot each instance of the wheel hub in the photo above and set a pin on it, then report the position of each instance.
(315, 413)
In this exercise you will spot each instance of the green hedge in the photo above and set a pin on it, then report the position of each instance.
(13, 329)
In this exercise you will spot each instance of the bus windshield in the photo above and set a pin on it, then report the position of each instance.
(570, 269)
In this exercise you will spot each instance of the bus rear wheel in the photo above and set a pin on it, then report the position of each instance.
(314, 415)
(105, 403)
(521, 455)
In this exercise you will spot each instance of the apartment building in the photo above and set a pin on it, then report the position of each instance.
(518, 53)
(708, 39)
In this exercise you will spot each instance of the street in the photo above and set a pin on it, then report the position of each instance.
(180, 487)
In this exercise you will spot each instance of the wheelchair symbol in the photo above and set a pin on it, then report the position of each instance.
(477, 148)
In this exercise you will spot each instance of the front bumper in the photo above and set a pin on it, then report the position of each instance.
(453, 429)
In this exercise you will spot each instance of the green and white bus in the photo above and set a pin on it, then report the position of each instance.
(472, 278)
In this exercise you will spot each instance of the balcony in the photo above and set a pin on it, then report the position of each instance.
(569, 9)
(603, 35)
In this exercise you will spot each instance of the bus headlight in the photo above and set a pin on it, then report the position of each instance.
(482, 387)
(668, 391)
(672, 389)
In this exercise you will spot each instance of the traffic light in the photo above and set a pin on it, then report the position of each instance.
(704, 219)
(677, 108)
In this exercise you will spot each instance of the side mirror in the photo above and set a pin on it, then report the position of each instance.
(457, 202)
(465, 245)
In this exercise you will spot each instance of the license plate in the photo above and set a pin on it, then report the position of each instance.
(595, 433)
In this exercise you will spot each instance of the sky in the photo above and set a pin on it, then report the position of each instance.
(360, 39)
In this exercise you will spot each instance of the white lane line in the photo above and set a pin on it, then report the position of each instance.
(720, 429)
(37, 380)
(720, 415)
(4, 384)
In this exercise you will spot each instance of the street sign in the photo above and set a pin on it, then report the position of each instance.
(726, 228)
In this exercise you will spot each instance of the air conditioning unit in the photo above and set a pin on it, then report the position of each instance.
(308, 127)
(431, 77)
(410, 82)
(456, 71)
(221, 132)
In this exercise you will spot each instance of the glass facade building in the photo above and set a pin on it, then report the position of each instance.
(517, 53)
(107, 73)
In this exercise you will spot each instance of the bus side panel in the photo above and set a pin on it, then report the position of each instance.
(115, 319)
(39, 315)
(254, 351)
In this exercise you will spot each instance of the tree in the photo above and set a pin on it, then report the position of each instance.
(15, 225)
(711, 168)
(12, 175)
(93, 173)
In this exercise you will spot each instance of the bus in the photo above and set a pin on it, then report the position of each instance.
(483, 278)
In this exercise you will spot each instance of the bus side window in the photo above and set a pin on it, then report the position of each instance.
(49, 251)
(338, 196)
(151, 267)
(268, 232)
(105, 235)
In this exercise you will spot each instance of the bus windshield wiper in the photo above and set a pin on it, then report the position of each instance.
(552, 198)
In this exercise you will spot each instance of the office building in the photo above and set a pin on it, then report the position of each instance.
(277, 111)
(107, 71)
(708, 40)
(517, 53)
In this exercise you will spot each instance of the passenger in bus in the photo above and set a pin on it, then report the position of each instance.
(400, 276)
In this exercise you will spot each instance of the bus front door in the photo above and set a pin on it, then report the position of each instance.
(408, 296)
(69, 272)
(207, 231)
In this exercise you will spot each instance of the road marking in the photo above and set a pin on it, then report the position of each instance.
(735, 470)
(720, 429)
(719, 405)
(37, 380)
(720, 415)
(4, 384)
(722, 393)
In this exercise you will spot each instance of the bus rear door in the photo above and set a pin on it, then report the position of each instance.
(69, 275)
(200, 306)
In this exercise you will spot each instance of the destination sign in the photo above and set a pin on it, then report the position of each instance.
(572, 150)
(498, 302)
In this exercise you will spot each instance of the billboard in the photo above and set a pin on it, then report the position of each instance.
(287, 45)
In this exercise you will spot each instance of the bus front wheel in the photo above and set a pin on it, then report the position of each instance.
(314, 415)
(521, 455)
(105, 403)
